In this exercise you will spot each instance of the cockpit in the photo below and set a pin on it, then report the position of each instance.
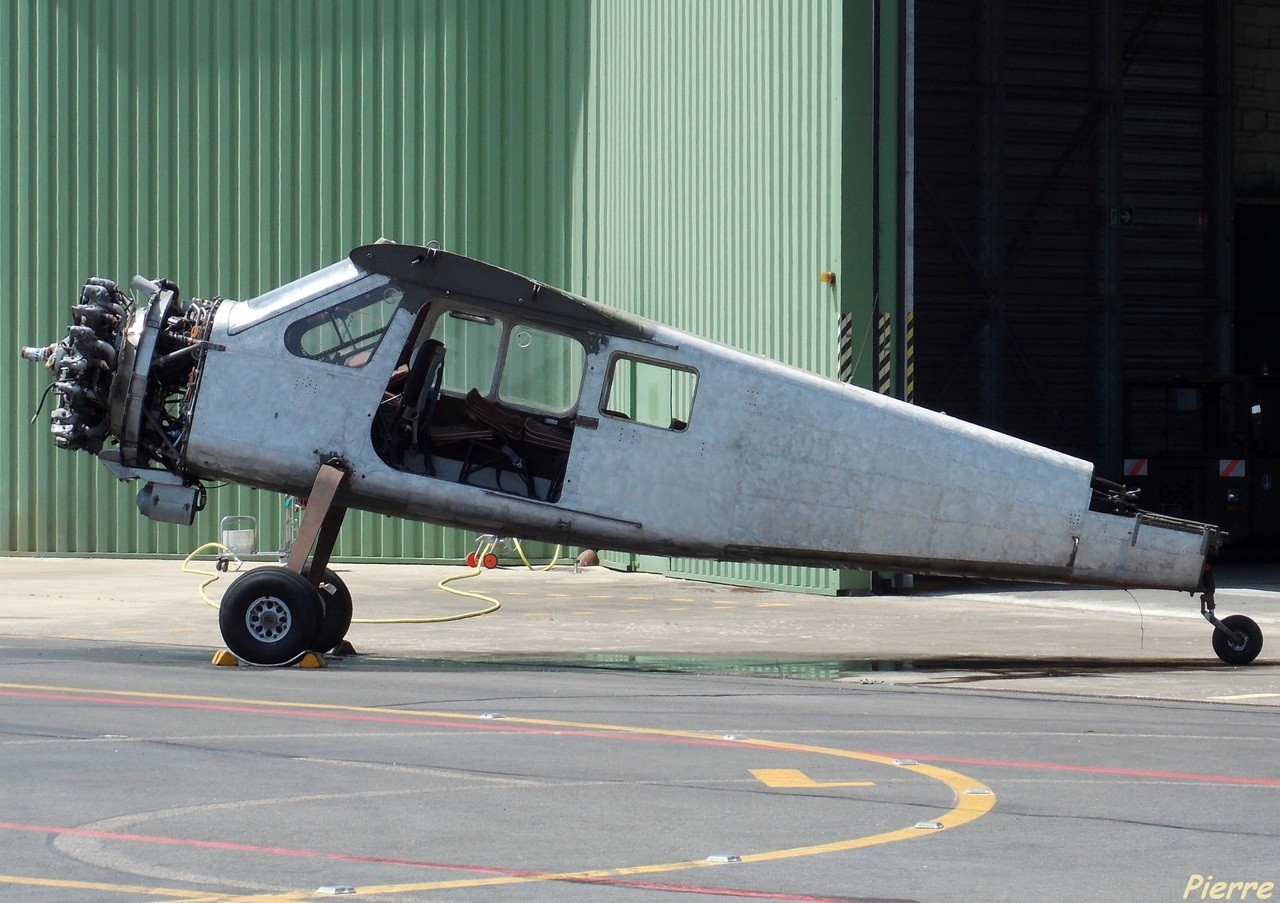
(481, 394)
(481, 399)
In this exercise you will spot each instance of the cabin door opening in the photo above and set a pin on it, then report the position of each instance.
(484, 401)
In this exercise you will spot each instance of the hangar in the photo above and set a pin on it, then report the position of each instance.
(1046, 216)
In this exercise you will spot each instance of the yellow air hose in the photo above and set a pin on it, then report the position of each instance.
(555, 556)
(212, 575)
(492, 604)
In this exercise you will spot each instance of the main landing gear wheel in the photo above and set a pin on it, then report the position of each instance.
(335, 598)
(270, 616)
(1243, 645)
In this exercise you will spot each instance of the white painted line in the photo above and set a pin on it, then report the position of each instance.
(1248, 591)
(1247, 696)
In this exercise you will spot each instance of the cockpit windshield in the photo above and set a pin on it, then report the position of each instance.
(284, 298)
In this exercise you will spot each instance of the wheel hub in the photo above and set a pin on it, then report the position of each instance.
(268, 619)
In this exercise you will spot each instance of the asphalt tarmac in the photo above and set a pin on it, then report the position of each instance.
(610, 737)
(1149, 644)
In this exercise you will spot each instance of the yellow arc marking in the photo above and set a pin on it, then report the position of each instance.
(972, 799)
(794, 779)
(190, 896)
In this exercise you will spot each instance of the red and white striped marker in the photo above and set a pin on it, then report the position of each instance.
(1135, 467)
(1230, 467)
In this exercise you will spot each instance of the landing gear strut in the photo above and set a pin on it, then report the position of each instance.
(1237, 639)
(276, 615)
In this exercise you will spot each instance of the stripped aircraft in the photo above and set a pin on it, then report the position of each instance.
(421, 384)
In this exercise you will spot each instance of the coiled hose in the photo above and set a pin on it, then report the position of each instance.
(491, 604)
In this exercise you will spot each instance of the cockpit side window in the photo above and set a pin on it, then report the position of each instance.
(542, 371)
(474, 341)
(346, 333)
(650, 392)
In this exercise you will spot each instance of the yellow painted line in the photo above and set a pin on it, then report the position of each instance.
(972, 799)
(775, 605)
(680, 608)
(557, 595)
(1248, 696)
(794, 779)
(193, 896)
(969, 806)
(583, 614)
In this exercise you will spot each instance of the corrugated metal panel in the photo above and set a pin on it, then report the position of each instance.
(684, 161)
(714, 162)
(715, 195)
(235, 146)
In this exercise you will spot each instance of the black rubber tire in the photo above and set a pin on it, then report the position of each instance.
(338, 610)
(270, 616)
(1235, 653)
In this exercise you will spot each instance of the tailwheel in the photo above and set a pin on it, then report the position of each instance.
(1237, 639)
(335, 601)
(270, 616)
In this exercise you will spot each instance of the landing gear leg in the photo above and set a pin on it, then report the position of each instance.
(1237, 639)
(274, 615)
(319, 527)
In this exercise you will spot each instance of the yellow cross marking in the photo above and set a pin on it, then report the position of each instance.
(793, 779)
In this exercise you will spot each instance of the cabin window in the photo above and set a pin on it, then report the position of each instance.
(347, 333)
(542, 371)
(473, 342)
(650, 392)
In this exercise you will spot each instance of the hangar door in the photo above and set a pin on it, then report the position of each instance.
(1072, 209)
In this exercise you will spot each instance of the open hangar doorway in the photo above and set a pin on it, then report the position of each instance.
(1093, 250)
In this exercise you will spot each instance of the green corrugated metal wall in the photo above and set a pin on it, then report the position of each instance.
(233, 146)
(682, 160)
(729, 164)
(719, 204)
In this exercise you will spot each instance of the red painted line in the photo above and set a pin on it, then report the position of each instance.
(1229, 468)
(286, 711)
(231, 847)
(1095, 769)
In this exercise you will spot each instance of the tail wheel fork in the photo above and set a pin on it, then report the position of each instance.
(1237, 639)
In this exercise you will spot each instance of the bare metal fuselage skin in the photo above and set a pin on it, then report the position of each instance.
(763, 462)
